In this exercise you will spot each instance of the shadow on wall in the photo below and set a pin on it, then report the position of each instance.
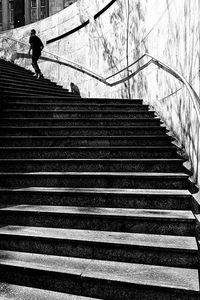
(74, 89)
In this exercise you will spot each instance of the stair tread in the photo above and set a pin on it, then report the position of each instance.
(31, 96)
(77, 110)
(129, 239)
(89, 136)
(137, 274)
(95, 174)
(93, 147)
(91, 159)
(75, 104)
(89, 99)
(17, 292)
(29, 93)
(180, 193)
(82, 127)
(29, 83)
(102, 211)
(92, 119)
(33, 88)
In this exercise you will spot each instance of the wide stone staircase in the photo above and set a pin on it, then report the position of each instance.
(95, 201)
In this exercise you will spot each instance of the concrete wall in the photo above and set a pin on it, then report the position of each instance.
(169, 30)
(175, 39)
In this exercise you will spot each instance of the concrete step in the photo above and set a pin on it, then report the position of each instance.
(87, 141)
(175, 251)
(99, 197)
(95, 278)
(76, 114)
(46, 98)
(30, 86)
(96, 179)
(18, 292)
(11, 79)
(82, 130)
(6, 90)
(7, 79)
(20, 74)
(15, 93)
(78, 122)
(13, 66)
(50, 99)
(149, 221)
(76, 106)
(135, 152)
(92, 165)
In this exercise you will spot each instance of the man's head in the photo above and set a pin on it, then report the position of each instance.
(33, 32)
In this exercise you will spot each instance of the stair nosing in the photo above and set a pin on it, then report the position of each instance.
(85, 98)
(96, 174)
(172, 147)
(70, 119)
(76, 104)
(87, 136)
(91, 159)
(79, 110)
(86, 127)
(128, 213)
(180, 193)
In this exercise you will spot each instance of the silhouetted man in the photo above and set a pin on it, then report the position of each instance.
(36, 47)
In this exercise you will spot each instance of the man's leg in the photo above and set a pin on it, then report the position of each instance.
(34, 64)
(36, 67)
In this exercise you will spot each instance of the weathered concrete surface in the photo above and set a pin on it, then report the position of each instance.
(166, 29)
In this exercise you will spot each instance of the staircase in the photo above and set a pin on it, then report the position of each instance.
(95, 201)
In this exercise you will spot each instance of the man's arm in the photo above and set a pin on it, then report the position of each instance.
(29, 51)
(31, 46)
(41, 46)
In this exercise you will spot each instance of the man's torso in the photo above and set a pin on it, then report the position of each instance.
(36, 45)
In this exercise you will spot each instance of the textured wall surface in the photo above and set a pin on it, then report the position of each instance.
(169, 30)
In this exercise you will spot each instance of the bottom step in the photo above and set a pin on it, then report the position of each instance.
(16, 292)
(100, 279)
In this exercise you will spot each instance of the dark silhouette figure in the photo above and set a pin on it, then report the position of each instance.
(74, 89)
(36, 47)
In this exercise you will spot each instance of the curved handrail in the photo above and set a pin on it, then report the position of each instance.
(64, 61)
(60, 59)
(177, 75)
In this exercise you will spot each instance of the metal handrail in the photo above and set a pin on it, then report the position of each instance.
(177, 75)
(64, 61)
(68, 62)
(154, 60)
